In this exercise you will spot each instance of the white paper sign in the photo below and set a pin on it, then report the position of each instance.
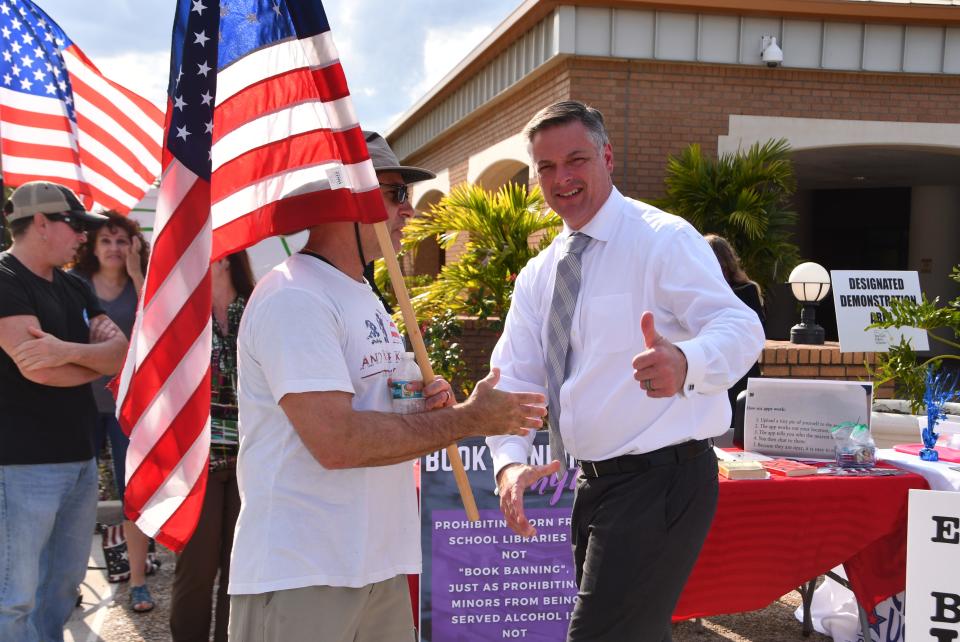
(857, 295)
(793, 417)
(933, 566)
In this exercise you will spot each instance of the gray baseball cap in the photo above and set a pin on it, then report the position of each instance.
(384, 160)
(44, 197)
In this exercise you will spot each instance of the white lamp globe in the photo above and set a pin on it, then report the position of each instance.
(810, 282)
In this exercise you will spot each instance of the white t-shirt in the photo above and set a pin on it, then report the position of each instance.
(309, 327)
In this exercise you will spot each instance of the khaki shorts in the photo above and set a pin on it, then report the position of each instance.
(378, 612)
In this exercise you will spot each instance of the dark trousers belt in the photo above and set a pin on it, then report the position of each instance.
(641, 463)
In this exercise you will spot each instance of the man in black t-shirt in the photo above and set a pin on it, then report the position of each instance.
(55, 340)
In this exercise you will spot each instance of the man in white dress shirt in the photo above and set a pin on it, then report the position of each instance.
(655, 339)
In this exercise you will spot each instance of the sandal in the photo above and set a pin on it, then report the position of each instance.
(140, 600)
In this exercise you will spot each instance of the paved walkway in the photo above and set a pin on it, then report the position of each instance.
(98, 594)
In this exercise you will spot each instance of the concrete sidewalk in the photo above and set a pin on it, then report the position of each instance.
(104, 614)
(98, 594)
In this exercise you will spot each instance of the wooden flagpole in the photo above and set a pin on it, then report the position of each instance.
(413, 330)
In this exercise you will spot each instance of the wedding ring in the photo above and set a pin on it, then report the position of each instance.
(648, 385)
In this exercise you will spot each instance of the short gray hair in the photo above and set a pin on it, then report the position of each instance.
(569, 111)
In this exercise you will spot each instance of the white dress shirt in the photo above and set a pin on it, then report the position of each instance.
(640, 259)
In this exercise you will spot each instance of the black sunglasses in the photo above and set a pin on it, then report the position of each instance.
(75, 223)
(399, 191)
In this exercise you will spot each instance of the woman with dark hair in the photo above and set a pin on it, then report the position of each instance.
(113, 260)
(208, 551)
(746, 290)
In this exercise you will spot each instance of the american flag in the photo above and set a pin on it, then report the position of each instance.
(61, 120)
(261, 139)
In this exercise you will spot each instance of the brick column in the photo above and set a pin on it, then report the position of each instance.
(786, 360)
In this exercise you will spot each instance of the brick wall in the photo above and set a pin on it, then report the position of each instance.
(655, 109)
(477, 343)
(498, 120)
(783, 359)
(489, 125)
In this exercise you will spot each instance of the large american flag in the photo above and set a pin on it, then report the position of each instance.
(61, 120)
(258, 110)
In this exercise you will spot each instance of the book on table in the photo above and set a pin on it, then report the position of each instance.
(742, 469)
(725, 454)
(788, 468)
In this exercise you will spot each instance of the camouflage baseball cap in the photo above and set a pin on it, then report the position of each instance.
(44, 197)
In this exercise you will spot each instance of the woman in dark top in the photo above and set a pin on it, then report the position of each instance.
(114, 260)
(208, 551)
(748, 292)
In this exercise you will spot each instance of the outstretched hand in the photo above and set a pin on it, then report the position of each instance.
(661, 368)
(498, 412)
(512, 481)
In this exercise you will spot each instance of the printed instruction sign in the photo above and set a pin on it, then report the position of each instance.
(793, 417)
(481, 581)
(933, 560)
(858, 296)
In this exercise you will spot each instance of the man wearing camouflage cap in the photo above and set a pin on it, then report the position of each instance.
(55, 340)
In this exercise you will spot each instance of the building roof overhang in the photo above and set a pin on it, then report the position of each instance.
(531, 12)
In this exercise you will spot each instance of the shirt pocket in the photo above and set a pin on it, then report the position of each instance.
(611, 324)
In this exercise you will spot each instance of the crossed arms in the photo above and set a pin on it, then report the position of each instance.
(44, 359)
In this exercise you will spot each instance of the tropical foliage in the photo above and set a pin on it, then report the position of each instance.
(900, 363)
(498, 227)
(744, 198)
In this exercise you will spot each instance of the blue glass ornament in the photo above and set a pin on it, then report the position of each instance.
(941, 387)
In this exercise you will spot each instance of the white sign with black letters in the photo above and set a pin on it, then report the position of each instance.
(933, 566)
(858, 296)
(793, 417)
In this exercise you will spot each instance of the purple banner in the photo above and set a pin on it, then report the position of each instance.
(491, 584)
(481, 581)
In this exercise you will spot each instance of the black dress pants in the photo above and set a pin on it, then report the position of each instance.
(636, 537)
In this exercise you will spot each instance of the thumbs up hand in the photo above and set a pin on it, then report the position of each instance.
(662, 367)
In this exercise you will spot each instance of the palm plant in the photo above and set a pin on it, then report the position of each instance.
(900, 363)
(499, 226)
(742, 197)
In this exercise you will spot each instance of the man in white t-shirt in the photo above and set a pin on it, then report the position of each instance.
(329, 525)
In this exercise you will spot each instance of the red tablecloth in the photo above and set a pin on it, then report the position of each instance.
(770, 536)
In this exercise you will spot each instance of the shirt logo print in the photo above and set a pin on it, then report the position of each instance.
(375, 335)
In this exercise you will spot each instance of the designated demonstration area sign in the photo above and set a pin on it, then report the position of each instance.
(858, 296)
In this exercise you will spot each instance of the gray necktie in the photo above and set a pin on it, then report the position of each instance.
(565, 292)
